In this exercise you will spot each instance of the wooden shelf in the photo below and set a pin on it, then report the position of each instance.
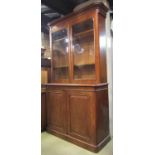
(77, 65)
(88, 64)
(76, 35)
(59, 67)
(83, 33)
(60, 39)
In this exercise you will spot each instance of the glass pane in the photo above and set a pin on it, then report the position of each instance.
(60, 55)
(83, 46)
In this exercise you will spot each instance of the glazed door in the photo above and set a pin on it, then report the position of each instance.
(60, 55)
(56, 111)
(81, 111)
(83, 49)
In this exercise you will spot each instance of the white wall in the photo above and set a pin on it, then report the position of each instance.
(110, 69)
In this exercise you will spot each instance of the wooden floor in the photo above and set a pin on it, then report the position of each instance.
(51, 145)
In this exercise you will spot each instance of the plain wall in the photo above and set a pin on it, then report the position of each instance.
(109, 69)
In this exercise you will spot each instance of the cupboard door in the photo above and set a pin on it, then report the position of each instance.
(80, 116)
(60, 55)
(56, 109)
(83, 50)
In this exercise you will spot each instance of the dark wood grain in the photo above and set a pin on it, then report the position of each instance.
(56, 111)
(43, 111)
(79, 113)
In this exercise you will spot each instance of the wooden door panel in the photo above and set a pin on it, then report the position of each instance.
(79, 116)
(56, 111)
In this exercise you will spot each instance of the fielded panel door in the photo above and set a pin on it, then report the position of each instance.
(80, 107)
(56, 111)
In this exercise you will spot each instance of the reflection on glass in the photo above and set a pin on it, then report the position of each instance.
(60, 54)
(83, 46)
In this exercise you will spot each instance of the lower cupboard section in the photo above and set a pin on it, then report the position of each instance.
(75, 115)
